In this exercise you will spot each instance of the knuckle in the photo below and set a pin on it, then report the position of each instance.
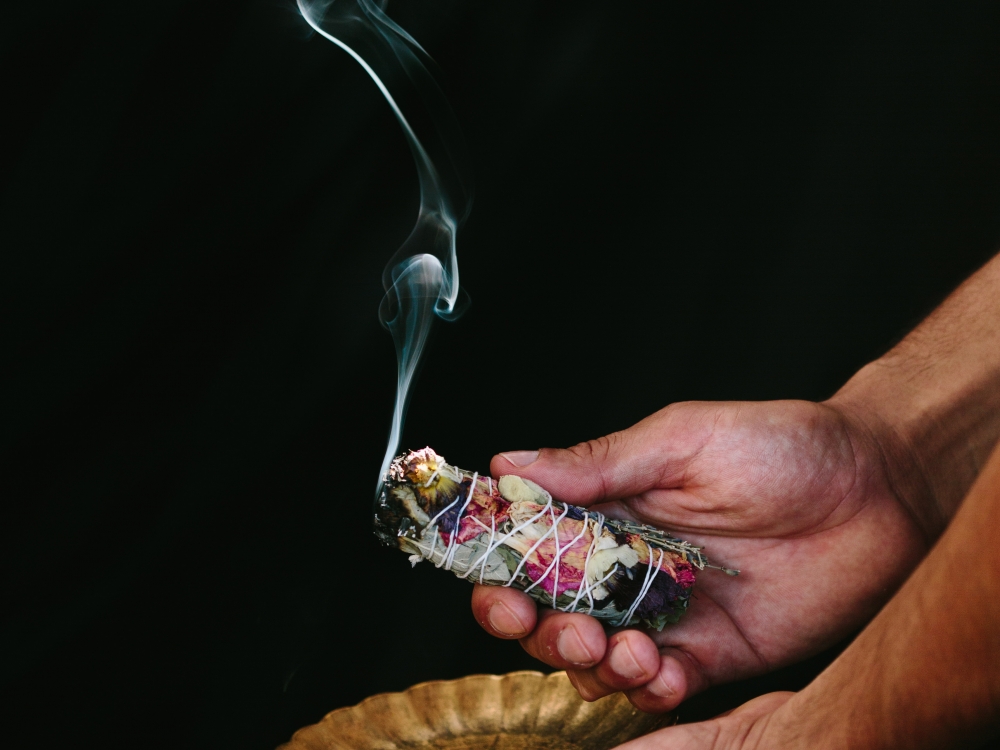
(598, 455)
(599, 449)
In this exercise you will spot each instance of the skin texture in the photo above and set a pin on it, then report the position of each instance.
(924, 674)
(825, 508)
(792, 493)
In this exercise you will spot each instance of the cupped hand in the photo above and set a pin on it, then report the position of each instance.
(752, 725)
(794, 494)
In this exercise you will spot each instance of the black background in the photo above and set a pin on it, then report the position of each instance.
(674, 201)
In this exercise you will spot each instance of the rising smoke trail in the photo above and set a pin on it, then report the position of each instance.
(421, 279)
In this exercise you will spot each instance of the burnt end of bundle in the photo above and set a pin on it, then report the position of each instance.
(444, 494)
(446, 521)
(389, 515)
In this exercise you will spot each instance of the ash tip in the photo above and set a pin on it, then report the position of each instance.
(420, 467)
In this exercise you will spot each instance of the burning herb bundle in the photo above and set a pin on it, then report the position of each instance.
(512, 533)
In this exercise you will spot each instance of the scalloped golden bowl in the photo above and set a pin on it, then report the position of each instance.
(516, 711)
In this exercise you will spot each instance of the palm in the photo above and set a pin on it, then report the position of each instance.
(789, 495)
(793, 494)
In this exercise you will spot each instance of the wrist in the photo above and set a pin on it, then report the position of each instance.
(923, 673)
(880, 403)
(938, 394)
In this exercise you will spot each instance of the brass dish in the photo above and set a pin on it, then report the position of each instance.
(516, 711)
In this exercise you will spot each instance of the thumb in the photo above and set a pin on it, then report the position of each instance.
(618, 465)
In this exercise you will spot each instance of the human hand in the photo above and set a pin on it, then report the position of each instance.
(748, 726)
(795, 494)
(922, 674)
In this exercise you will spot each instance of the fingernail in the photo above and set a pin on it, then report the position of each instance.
(623, 663)
(658, 687)
(521, 458)
(572, 648)
(503, 620)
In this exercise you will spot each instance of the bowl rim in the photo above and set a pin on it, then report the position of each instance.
(463, 678)
(531, 675)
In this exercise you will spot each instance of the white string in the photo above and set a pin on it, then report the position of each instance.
(434, 541)
(433, 527)
(499, 542)
(476, 520)
(554, 527)
(555, 533)
(585, 590)
(590, 588)
(555, 562)
(646, 584)
(482, 558)
(538, 544)
(433, 476)
(598, 583)
(433, 521)
(517, 528)
(493, 533)
(449, 555)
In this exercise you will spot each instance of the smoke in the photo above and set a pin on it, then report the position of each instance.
(421, 279)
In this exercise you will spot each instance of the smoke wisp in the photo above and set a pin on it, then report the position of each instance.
(421, 279)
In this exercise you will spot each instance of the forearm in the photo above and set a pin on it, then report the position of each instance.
(926, 672)
(933, 401)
